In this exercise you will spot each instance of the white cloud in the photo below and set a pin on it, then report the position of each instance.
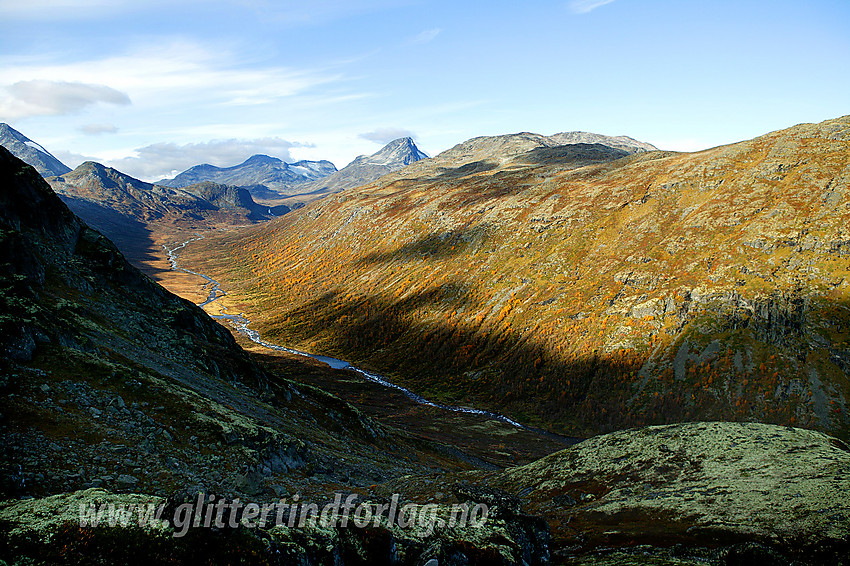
(425, 36)
(585, 6)
(43, 97)
(159, 76)
(161, 160)
(386, 135)
(98, 129)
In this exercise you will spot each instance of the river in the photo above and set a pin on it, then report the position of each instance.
(241, 324)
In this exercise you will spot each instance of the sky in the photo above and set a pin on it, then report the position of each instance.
(153, 87)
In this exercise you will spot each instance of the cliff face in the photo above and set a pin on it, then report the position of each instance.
(577, 287)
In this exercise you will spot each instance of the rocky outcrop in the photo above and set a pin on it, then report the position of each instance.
(127, 537)
(699, 484)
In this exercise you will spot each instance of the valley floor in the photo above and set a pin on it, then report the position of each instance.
(485, 441)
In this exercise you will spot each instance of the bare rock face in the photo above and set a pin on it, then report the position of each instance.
(31, 152)
(713, 484)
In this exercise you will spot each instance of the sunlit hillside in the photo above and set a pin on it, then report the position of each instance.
(575, 288)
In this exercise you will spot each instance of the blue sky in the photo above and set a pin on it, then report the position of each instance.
(153, 87)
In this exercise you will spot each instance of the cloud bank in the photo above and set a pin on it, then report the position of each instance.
(41, 97)
(155, 76)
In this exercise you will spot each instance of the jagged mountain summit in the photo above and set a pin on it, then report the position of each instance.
(394, 155)
(31, 152)
(367, 168)
(264, 176)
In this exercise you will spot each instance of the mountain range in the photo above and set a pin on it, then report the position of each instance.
(576, 287)
(137, 215)
(264, 176)
(271, 179)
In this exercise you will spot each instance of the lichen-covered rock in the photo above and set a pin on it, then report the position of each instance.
(97, 526)
(711, 484)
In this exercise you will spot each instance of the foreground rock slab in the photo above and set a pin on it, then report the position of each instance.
(709, 484)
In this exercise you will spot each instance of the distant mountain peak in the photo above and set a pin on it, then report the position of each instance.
(92, 165)
(31, 152)
(396, 154)
(261, 158)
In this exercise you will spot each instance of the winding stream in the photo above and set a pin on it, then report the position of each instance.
(241, 324)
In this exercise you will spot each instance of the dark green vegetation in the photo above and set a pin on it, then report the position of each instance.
(574, 287)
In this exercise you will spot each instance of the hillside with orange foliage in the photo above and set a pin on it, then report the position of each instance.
(576, 288)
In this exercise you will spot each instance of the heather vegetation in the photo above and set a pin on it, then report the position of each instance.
(576, 292)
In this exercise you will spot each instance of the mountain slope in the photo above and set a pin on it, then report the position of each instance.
(116, 391)
(748, 493)
(576, 292)
(134, 214)
(134, 198)
(262, 174)
(228, 197)
(30, 152)
(367, 168)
